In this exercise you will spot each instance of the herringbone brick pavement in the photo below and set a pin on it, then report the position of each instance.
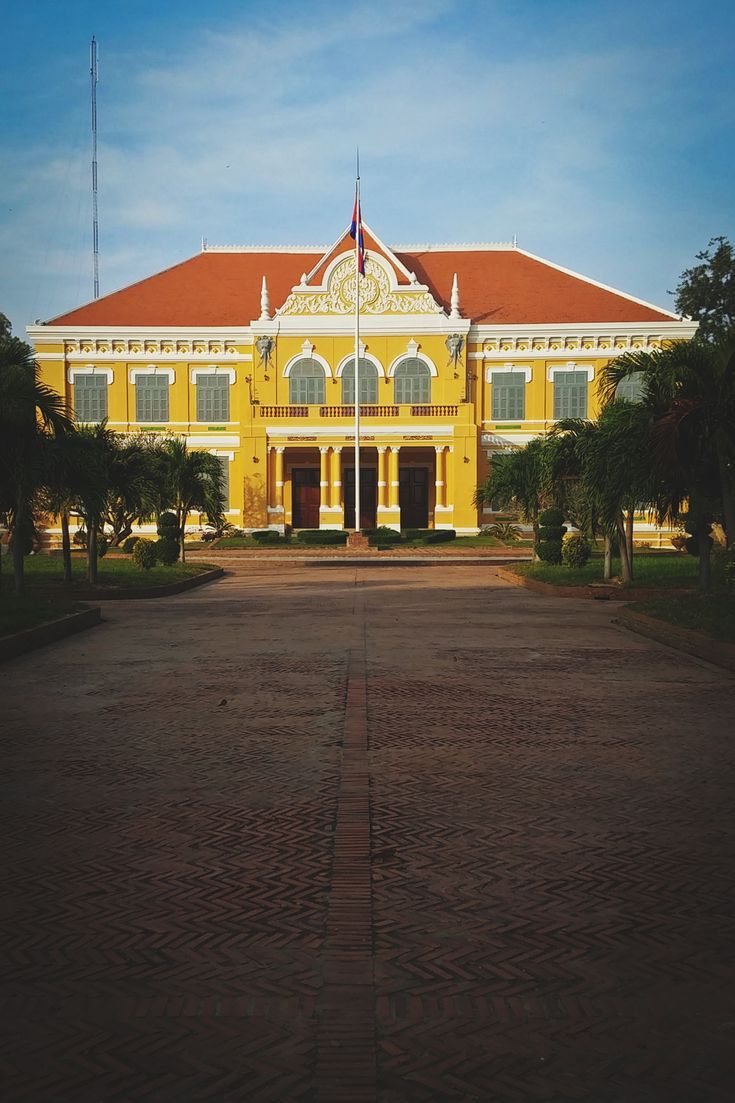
(554, 913)
(204, 900)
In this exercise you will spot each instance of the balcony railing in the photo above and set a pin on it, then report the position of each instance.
(365, 411)
(284, 411)
(434, 411)
(349, 411)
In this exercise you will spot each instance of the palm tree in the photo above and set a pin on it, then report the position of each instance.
(688, 398)
(29, 410)
(134, 479)
(192, 481)
(97, 447)
(63, 477)
(516, 481)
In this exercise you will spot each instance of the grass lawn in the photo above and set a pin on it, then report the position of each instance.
(228, 542)
(712, 614)
(45, 570)
(659, 571)
(17, 614)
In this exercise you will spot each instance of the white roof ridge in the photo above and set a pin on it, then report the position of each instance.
(446, 246)
(206, 248)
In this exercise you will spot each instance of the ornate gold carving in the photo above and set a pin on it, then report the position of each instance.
(376, 295)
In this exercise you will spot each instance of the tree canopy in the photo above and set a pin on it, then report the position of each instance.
(706, 292)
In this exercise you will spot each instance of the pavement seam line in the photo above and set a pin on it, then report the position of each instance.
(346, 1046)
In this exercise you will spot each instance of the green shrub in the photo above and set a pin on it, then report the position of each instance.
(575, 551)
(129, 544)
(268, 536)
(503, 531)
(144, 554)
(80, 538)
(324, 537)
(167, 551)
(102, 545)
(551, 534)
(167, 526)
(417, 534)
(382, 537)
(440, 536)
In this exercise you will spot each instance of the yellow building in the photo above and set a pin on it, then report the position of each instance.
(249, 353)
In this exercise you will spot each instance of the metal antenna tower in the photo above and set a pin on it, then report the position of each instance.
(95, 220)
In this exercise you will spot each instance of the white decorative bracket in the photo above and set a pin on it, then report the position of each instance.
(413, 347)
(307, 348)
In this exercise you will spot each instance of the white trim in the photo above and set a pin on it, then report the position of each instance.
(152, 370)
(89, 370)
(222, 455)
(367, 431)
(602, 286)
(224, 440)
(212, 370)
(509, 369)
(570, 366)
(363, 356)
(410, 354)
(206, 248)
(466, 247)
(302, 355)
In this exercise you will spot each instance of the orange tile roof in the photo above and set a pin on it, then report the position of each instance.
(497, 287)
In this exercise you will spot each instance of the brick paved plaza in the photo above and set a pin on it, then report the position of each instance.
(393, 834)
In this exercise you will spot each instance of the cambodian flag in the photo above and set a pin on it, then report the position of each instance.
(356, 232)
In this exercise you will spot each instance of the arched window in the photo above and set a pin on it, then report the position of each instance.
(306, 383)
(368, 382)
(413, 381)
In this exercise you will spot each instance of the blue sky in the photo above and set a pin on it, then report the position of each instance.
(600, 133)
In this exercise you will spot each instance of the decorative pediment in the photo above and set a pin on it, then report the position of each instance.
(380, 292)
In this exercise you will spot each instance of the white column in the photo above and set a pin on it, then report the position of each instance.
(439, 499)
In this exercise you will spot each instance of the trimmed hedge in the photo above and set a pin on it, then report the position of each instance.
(268, 536)
(129, 544)
(167, 551)
(440, 536)
(382, 537)
(325, 537)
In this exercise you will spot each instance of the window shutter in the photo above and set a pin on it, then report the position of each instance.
(90, 397)
(509, 396)
(213, 398)
(151, 398)
(570, 394)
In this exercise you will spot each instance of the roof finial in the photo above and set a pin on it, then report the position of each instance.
(265, 302)
(455, 299)
(515, 241)
(204, 244)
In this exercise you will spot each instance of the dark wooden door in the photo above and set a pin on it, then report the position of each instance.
(413, 497)
(306, 497)
(368, 497)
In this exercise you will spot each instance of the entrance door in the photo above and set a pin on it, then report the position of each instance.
(413, 497)
(306, 497)
(368, 497)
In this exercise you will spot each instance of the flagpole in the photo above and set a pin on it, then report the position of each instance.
(357, 349)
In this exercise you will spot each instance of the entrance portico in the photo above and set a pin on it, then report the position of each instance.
(401, 486)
